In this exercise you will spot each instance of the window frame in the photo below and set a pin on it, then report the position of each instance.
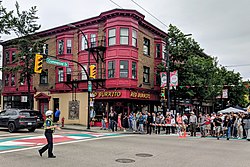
(112, 37)
(134, 38)
(7, 56)
(111, 69)
(84, 76)
(6, 79)
(60, 47)
(44, 76)
(93, 40)
(60, 75)
(146, 74)
(84, 43)
(134, 70)
(125, 69)
(158, 50)
(68, 74)
(124, 36)
(146, 45)
(13, 80)
(69, 46)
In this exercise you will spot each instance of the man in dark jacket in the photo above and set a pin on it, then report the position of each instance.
(149, 121)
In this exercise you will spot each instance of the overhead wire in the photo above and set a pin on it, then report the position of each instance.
(116, 4)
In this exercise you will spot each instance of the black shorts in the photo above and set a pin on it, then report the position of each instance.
(56, 119)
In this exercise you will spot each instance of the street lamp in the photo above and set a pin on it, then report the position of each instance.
(89, 82)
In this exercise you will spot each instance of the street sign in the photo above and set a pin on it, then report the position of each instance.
(56, 62)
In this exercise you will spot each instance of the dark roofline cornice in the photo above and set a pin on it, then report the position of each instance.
(102, 17)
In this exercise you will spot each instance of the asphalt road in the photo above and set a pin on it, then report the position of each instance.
(166, 151)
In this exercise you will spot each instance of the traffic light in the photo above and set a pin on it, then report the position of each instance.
(162, 93)
(38, 63)
(92, 71)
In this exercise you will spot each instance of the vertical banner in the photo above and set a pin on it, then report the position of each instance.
(163, 79)
(173, 79)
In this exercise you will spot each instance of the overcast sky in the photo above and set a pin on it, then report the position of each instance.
(221, 27)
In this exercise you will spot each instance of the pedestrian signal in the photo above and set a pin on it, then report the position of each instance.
(92, 71)
(38, 63)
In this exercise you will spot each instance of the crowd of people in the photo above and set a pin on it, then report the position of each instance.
(232, 125)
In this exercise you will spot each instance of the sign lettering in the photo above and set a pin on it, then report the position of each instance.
(140, 95)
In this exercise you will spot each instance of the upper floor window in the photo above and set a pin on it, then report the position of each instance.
(44, 77)
(163, 51)
(7, 57)
(146, 46)
(158, 50)
(68, 74)
(46, 49)
(6, 80)
(134, 38)
(69, 46)
(111, 69)
(60, 47)
(124, 36)
(93, 40)
(146, 74)
(60, 75)
(123, 69)
(112, 37)
(84, 42)
(158, 78)
(84, 74)
(13, 81)
(13, 56)
(134, 70)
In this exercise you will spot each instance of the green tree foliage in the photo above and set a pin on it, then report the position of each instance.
(200, 77)
(23, 23)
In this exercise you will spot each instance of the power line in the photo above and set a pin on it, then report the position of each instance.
(116, 4)
(149, 13)
(238, 65)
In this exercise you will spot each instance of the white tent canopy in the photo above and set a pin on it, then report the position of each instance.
(231, 109)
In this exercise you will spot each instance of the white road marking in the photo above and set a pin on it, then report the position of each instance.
(68, 142)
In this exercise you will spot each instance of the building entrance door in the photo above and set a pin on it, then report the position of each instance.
(43, 106)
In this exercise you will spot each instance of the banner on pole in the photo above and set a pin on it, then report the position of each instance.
(163, 79)
(173, 79)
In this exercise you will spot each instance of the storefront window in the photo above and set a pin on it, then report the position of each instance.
(123, 69)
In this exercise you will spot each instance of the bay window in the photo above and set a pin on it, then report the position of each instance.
(69, 46)
(84, 42)
(124, 36)
(111, 69)
(60, 47)
(134, 38)
(112, 37)
(123, 69)
(93, 40)
(134, 70)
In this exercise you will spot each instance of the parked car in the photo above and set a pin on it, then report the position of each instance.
(15, 119)
(40, 120)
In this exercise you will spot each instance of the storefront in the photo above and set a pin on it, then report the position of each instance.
(123, 101)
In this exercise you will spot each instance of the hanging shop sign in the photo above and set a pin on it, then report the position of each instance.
(140, 95)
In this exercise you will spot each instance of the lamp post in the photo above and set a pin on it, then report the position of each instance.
(89, 82)
(168, 70)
